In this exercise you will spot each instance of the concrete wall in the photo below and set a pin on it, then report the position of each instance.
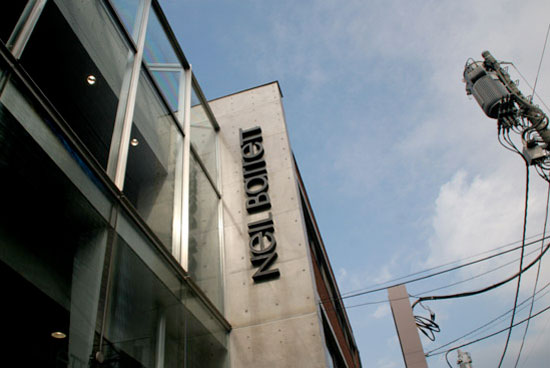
(275, 323)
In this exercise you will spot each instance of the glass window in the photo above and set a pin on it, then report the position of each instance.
(52, 256)
(154, 162)
(52, 253)
(129, 12)
(204, 242)
(8, 18)
(162, 61)
(80, 61)
(152, 325)
(203, 135)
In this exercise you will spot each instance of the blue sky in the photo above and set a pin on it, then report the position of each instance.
(403, 170)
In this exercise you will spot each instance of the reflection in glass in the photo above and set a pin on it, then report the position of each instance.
(150, 325)
(204, 245)
(52, 254)
(203, 135)
(72, 42)
(129, 11)
(162, 61)
(8, 18)
(153, 162)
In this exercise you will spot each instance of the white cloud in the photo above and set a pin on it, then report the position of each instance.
(382, 311)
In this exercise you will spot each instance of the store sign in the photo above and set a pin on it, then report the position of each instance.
(262, 243)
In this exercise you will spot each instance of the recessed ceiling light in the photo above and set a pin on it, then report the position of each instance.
(91, 80)
(134, 142)
(58, 335)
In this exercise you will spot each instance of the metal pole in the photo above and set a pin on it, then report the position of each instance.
(407, 332)
(464, 359)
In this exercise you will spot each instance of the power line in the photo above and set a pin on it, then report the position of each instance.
(473, 277)
(439, 288)
(432, 352)
(434, 274)
(545, 218)
(537, 340)
(540, 63)
(527, 82)
(538, 271)
(520, 264)
(485, 289)
(370, 290)
(492, 334)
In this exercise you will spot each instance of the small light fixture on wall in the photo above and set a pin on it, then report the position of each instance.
(58, 335)
(91, 79)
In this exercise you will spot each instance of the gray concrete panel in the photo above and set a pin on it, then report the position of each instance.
(287, 343)
(291, 244)
(281, 315)
(241, 100)
(256, 303)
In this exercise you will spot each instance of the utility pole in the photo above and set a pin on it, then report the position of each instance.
(464, 359)
(407, 331)
(501, 99)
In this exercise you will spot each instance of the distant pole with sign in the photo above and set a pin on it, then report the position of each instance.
(464, 359)
(407, 332)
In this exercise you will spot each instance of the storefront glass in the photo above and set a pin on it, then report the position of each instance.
(204, 242)
(59, 253)
(203, 135)
(162, 61)
(53, 243)
(84, 273)
(154, 160)
(78, 58)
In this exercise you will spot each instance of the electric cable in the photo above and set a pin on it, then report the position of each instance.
(369, 288)
(439, 288)
(540, 63)
(520, 264)
(472, 277)
(485, 325)
(492, 334)
(527, 82)
(485, 289)
(537, 340)
(427, 326)
(321, 301)
(433, 274)
(502, 143)
(538, 270)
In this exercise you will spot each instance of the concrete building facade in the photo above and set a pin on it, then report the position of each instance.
(142, 225)
(277, 322)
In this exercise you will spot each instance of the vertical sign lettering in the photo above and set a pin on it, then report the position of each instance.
(262, 241)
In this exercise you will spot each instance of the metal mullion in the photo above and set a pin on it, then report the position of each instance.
(220, 221)
(165, 66)
(120, 170)
(120, 25)
(27, 24)
(179, 177)
(170, 34)
(201, 164)
(204, 102)
(184, 250)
